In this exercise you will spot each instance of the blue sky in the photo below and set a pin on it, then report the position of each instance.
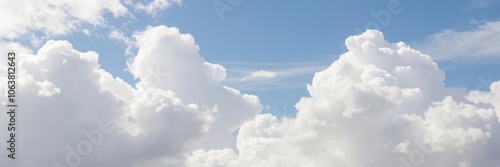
(276, 35)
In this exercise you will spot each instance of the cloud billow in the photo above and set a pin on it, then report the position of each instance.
(64, 95)
(379, 104)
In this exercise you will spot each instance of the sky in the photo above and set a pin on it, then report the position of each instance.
(245, 39)
(253, 83)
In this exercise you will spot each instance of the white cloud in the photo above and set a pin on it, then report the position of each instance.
(46, 88)
(54, 17)
(175, 56)
(262, 74)
(402, 147)
(119, 36)
(491, 97)
(239, 74)
(474, 4)
(380, 104)
(154, 6)
(41, 20)
(63, 95)
(472, 45)
(72, 94)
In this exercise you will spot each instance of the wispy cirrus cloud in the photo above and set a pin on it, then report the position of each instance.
(475, 4)
(270, 75)
(154, 6)
(260, 74)
(472, 45)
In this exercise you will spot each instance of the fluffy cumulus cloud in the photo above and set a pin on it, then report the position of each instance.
(379, 104)
(54, 17)
(38, 21)
(76, 114)
(163, 52)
